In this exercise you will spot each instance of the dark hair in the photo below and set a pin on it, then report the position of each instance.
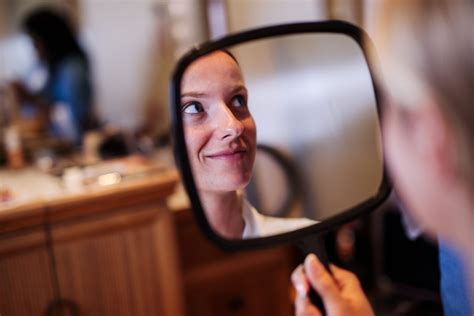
(55, 34)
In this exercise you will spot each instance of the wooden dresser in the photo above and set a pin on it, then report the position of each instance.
(103, 252)
(124, 250)
(218, 283)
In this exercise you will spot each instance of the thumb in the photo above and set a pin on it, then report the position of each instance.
(346, 280)
(322, 281)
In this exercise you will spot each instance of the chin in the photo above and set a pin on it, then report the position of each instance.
(231, 184)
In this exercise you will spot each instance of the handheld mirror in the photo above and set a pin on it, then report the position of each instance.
(277, 132)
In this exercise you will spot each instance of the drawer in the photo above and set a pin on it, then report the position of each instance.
(242, 289)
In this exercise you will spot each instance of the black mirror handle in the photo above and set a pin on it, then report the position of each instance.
(315, 244)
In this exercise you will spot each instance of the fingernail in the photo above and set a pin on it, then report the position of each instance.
(301, 289)
(311, 259)
(313, 265)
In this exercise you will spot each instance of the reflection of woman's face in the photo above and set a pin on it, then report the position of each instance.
(219, 129)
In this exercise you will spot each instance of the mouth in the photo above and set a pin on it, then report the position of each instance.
(228, 154)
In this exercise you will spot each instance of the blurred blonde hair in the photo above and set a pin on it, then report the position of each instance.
(427, 51)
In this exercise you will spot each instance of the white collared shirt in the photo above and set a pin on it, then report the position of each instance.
(258, 225)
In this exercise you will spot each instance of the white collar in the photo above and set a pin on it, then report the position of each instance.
(258, 225)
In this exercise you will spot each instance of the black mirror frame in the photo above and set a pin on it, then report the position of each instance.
(179, 146)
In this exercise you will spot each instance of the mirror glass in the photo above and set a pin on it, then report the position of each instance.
(281, 133)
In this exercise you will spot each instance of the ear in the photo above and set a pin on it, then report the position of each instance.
(434, 140)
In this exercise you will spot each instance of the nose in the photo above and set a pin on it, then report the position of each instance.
(229, 126)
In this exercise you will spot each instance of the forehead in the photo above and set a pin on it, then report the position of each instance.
(216, 70)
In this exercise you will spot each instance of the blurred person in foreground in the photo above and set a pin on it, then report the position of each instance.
(426, 49)
(66, 99)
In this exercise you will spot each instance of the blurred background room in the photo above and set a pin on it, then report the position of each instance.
(93, 219)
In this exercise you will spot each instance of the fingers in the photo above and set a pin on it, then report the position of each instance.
(341, 292)
(300, 282)
(345, 279)
(303, 307)
(321, 280)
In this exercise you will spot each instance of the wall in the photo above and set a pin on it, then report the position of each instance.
(121, 37)
(245, 14)
(131, 48)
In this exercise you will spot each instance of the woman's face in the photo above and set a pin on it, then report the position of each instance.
(219, 129)
(415, 167)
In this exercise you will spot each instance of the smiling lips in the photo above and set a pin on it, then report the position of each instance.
(229, 155)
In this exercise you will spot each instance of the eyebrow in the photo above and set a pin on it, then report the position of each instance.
(193, 94)
(240, 87)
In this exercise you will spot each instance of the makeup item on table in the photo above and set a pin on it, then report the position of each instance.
(13, 147)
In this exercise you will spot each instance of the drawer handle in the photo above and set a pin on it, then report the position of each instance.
(236, 304)
(62, 307)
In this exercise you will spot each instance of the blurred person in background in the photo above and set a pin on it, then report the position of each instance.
(426, 50)
(66, 100)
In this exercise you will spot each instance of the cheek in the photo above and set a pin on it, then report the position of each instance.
(196, 138)
(391, 143)
(250, 137)
(397, 155)
(407, 171)
(250, 132)
(395, 146)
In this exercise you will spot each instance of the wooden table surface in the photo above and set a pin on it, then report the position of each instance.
(35, 195)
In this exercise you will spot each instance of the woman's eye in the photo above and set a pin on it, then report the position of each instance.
(193, 108)
(238, 101)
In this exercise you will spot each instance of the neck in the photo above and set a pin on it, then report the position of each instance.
(224, 212)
